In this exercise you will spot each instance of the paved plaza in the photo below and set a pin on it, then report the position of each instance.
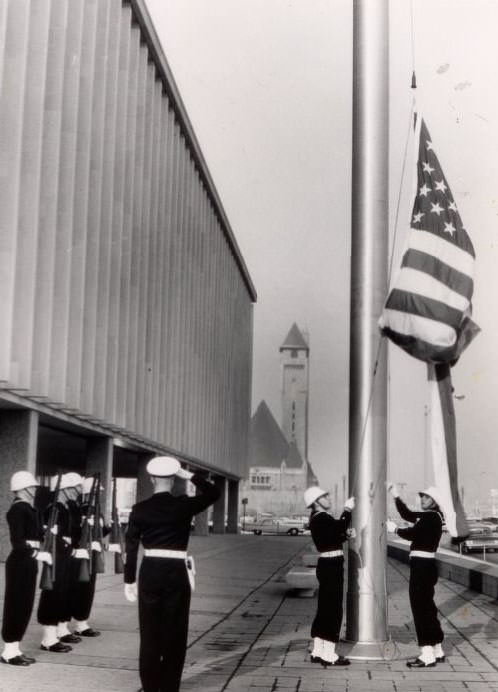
(249, 632)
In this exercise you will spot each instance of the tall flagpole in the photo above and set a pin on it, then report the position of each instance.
(366, 629)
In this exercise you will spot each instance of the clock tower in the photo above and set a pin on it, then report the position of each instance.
(294, 359)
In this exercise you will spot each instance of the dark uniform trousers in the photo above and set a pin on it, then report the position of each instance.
(82, 595)
(328, 619)
(423, 578)
(20, 587)
(163, 611)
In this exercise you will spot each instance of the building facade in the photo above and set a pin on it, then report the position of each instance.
(126, 305)
(279, 470)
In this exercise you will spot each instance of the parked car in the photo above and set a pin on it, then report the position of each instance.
(277, 525)
(481, 536)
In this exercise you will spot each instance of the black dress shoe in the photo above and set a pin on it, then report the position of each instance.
(440, 659)
(14, 661)
(89, 632)
(418, 663)
(70, 639)
(315, 659)
(57, 648)
(341, 661)
(28, 659)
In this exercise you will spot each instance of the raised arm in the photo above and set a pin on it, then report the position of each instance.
(405, 512)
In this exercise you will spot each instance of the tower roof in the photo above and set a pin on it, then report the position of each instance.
(294, 339)
(294, 459)
(267, 443)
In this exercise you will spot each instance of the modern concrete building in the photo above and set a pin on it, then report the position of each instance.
(126, 306)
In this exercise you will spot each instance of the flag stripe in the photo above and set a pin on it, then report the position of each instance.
(450, 254)
(425, 285)
(430, 331)
(418, 348)
(424, 307)
(454, 279)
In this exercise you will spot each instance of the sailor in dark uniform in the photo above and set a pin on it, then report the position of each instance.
(54, 608)
(328, 535)
(77, 554)
(83, 592)
(162, 524)
(424, 535)
(21, 567)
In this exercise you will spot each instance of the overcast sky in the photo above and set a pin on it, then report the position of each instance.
(267, 85)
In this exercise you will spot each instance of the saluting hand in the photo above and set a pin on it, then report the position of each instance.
(184, 474)
(391, 526)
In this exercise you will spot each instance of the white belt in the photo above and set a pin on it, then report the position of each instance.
(33, 544)
(159, 552)
(331, 553)
(421, 553)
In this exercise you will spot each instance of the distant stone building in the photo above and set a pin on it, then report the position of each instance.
(279, 470)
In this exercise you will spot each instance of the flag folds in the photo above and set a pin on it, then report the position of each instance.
(428, 309)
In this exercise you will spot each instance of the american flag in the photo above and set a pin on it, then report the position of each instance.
(428, 311)
(429, 306)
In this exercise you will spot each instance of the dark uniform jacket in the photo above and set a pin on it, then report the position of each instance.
(329, 533)
(75, 520)
(24, 525)
(63, 539)
(163, 521)
(426, 531)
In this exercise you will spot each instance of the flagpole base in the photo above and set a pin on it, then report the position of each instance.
(369, 651)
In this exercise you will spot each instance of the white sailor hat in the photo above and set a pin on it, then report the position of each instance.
(163, 466)
(313, 494)
(70, 480)
(21, 480)
(432, 492)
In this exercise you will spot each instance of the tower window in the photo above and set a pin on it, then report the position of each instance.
(294, 353)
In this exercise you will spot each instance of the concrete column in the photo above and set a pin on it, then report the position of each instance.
(233, 507)
(219, 505)
(99, 459)
(18, 444)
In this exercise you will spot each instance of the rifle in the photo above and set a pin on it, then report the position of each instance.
(116, 543)
(47, 577)
(85, 541)
(97, 535)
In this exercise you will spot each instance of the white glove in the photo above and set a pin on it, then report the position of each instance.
(351, 533)
(184, 474)
(44, 557)
(96, 546)
(81, 554)
(393, 489)
(91, 521)
(391, 526)
(54, 530)
(349, 504)
(130, 592)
